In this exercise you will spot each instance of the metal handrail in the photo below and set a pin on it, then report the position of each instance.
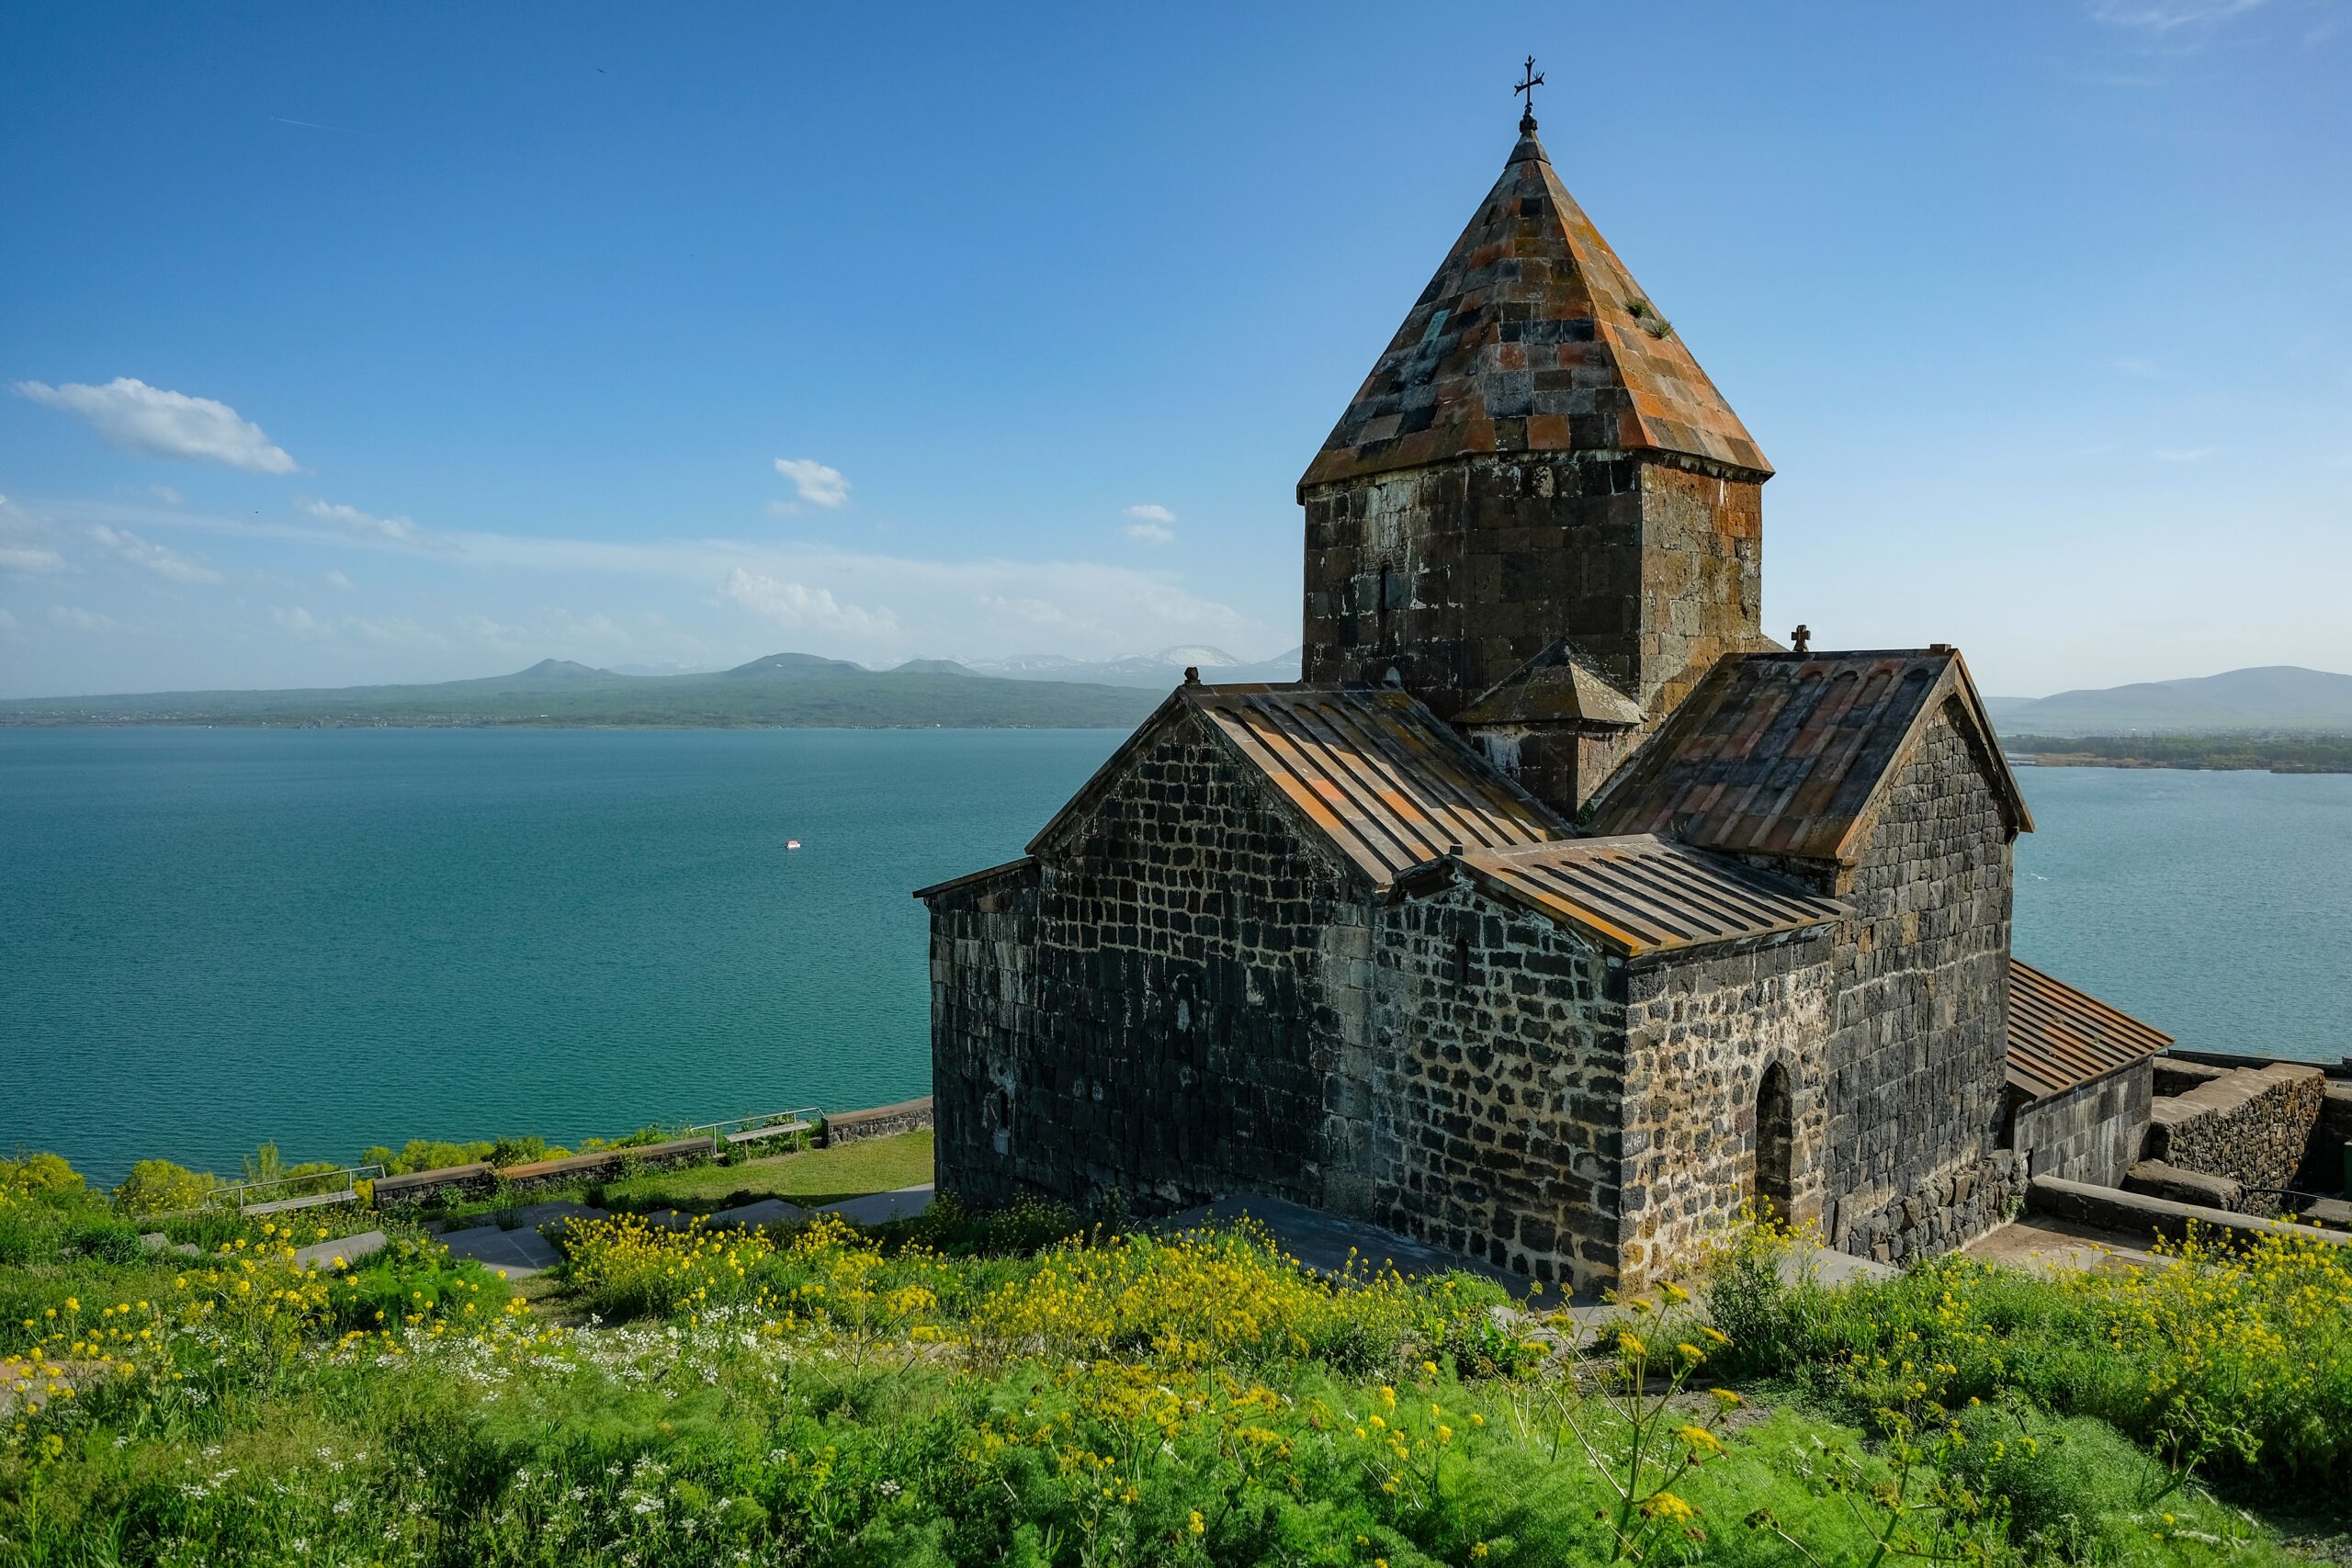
(808, 1115)
(240, 1193)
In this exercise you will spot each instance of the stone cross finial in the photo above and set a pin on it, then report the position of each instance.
(1803, 637)
(1529, 81)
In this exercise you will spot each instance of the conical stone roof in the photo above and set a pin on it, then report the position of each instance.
(1533, 337)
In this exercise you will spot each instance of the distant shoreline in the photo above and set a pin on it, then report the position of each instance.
(2240, 752)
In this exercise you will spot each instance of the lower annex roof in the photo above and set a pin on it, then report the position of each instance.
(2061, 1038)
(1381, 777)
(1641, 894)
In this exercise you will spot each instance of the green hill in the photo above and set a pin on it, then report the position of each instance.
(782, 691)
(2272, 697)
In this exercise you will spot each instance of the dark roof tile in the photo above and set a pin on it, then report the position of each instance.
(1782, 753)
(1643, 895)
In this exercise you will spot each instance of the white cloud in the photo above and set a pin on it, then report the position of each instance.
(153, 558)
(1099, 610)
(302, 623)
(1150, 533)
(166, 495)
(72, 617)
(803, 608)
(2168, 16)
(396, 633)
(1151, 513)
(2183, 454)
(132, 416)
(399, 530)
(496, 633)
(1032, 612)
(335, 579)
(18, 551)
(30, 558)
(818, 485)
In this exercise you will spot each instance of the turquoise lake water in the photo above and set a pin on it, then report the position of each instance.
(339, 938)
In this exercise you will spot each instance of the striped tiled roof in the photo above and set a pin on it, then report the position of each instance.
(1643, 895)
(2061, 1038)
(1384, 779)
(1782, 753)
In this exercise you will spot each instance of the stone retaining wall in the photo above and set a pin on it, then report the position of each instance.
(2155, 1178)
(418, 1187)
(2111, 1208)
(2090, 1133)
(882, 1121)
(603, 1165)
(2177, 1075)
(1946, 1211)
(2253, 1125)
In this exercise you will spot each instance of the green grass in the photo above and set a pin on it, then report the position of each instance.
(968, 1389)
(810, 1180)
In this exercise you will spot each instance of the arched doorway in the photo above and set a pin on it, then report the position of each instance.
(1776, 1137)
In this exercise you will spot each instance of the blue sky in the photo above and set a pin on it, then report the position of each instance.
(342, 344)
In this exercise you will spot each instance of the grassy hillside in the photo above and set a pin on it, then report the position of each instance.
(961, 1390)
(781, 691)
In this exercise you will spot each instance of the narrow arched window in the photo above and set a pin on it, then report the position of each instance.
(1775, 1144)
(1462, 961)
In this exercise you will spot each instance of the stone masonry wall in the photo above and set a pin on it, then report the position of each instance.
(880, 1122)
(1920, 1061)
(1193, 971)
(2091, 1132)
(2251, 1126)
(983, 1018)
(1498, 1108)
(1457, 573)
(1700, 1033)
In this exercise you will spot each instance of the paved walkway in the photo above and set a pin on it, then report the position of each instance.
(879, 1208)
(350, 1250)
(2044, 1244)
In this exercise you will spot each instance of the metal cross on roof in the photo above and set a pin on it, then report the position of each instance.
(1530, 80)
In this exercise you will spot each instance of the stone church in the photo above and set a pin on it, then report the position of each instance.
(1558, 911)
